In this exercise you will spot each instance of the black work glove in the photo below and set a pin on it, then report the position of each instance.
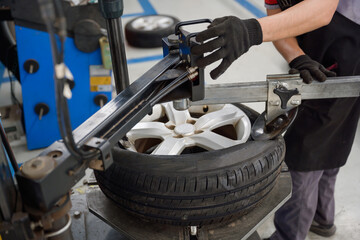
(309, 69)
(233, 37)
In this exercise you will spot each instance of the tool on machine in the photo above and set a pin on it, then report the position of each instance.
(44, 182)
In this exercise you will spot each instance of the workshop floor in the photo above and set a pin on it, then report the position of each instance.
(254, 66)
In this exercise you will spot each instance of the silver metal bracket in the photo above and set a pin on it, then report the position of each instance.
(105, 149)
(284, 94)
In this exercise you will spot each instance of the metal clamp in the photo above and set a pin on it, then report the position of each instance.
(283, 95)
(192, 22)
(189, 37)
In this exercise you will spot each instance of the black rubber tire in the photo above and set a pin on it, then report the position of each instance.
(194, 189)
(148, 39)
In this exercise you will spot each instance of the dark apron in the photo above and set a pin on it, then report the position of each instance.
(323, 133)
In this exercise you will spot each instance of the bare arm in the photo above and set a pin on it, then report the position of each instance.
(304, 17)
(288, 47)
(229, 37)
(298, 61)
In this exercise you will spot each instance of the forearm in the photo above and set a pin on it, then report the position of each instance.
(304, 17)
(288, 47)
(298, 61)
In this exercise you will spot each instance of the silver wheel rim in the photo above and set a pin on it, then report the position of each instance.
(152, 23)
(169, 132)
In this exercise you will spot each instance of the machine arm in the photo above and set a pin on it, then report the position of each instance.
(282, 95)
(335, 87)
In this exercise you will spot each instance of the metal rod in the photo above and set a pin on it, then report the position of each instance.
(337, 87)
(101, 121)
(232, 93)
(118, 55)
(8, 150)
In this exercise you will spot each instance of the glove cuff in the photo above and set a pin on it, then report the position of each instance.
(299, 60)
(254, 31)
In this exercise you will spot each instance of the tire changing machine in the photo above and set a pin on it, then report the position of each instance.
(131, 227)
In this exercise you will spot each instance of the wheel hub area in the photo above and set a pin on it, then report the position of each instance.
(168, 131)
(185, 129)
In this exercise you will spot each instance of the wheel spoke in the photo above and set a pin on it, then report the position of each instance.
(170, 146)
(148, 130)
(212, 141)
(219, 118)
(176, 117)
(205, 135)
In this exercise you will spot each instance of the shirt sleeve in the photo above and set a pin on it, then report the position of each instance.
(271, 4)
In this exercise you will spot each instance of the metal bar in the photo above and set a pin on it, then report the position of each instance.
(118, 55)
(7, 185)
(8, 149)
(337, 87)
(235, 92)
(102, 121)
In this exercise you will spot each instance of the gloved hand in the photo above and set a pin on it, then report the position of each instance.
(233, 37)
(309, 69)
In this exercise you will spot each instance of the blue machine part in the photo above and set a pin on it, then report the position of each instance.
(38, 87)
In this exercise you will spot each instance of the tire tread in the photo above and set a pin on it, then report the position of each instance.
(202, 198)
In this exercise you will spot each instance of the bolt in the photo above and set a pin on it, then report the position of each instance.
(193, 76)
(296, 102)
(191, 70)
(77, 214)
(274, 103)
(41, 113)
(285, 85)
(188, 58)
(205, 108)
(31, 69)
(173, 39)
(279, 121)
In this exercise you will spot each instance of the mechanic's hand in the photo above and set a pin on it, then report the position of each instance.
(232, 38)
(309, 69)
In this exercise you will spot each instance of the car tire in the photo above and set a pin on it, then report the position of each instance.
(194, 189)
(147, 32)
